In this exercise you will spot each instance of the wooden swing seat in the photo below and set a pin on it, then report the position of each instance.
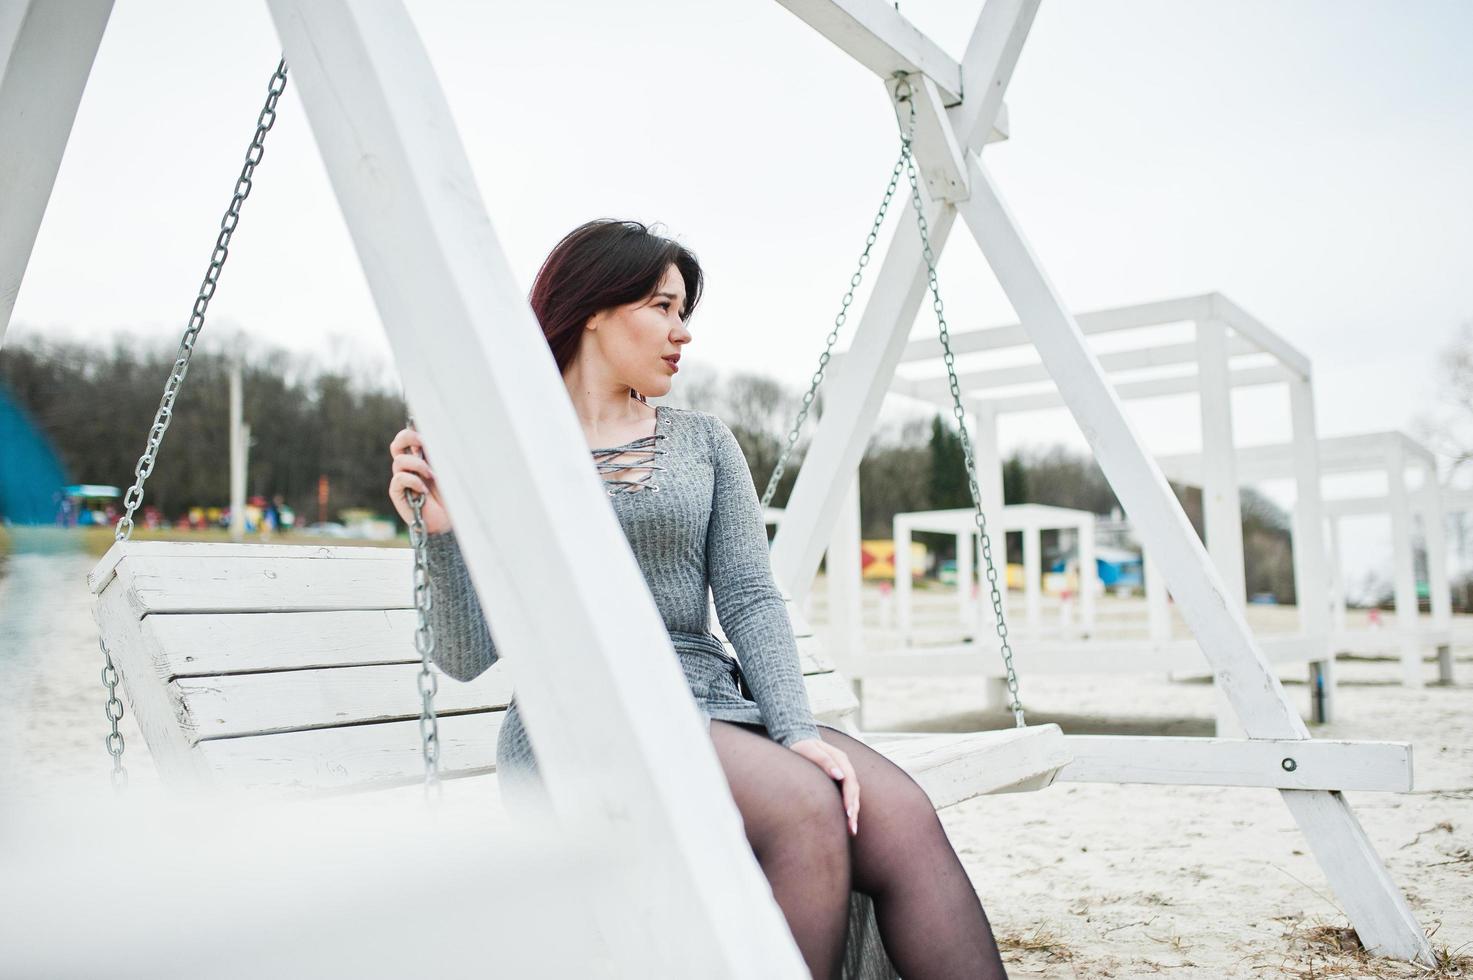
(291, 668)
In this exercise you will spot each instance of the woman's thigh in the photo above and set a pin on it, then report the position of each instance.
(774, 787)
(897, 820)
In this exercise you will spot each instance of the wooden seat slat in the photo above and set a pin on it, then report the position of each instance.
(294, 667)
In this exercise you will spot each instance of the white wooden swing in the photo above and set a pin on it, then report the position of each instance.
(289, 667)
(195, 629)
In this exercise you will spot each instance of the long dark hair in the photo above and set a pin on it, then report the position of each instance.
(599, 265)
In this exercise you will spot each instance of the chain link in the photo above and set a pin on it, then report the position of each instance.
(114, 709)
(134, 497)
(839, 320)
(228, 223)
(424, 642)
(906, 95)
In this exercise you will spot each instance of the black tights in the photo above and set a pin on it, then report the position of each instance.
(928, 913)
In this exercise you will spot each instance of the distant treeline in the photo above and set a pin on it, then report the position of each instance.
(310, 420)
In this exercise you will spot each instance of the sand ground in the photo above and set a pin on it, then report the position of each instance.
(1080, 880)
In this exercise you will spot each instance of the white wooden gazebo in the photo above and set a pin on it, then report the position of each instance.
(1386, 457)
(1227, 349)
(619, 742)
(1028, 520)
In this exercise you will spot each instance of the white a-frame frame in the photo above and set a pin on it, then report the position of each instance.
(950, 137)
(469, 349)
(620, 742)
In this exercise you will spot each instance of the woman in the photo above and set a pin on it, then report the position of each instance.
(614, 300)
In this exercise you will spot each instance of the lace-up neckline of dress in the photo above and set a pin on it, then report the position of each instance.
(644, 451)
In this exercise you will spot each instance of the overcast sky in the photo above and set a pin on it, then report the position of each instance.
(1310, 160)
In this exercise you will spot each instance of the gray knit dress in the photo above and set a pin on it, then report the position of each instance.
(694, 522)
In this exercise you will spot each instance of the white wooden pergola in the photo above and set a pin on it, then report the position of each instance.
(1228, 349)
(1387, 456)
(616, 735)
(1027, 520)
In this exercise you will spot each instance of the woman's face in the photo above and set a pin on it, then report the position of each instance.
(640, 342)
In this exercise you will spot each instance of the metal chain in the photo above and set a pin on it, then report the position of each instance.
(906, 135)
(264, 122)
(134, 497)
(114, 709)
(424, 642)
(839, 320)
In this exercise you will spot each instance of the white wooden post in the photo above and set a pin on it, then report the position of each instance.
(987, 454)
(841, 436)
(1337, 579)
(1222, 515)
(1089, 576)
(1311, 574)
(1439, 588)
(843, 568)
(966, 607)
(1369, 896)
(1033, 578)
(1403, 569)
(904, 613)
(238, 455)
(620, 743)
(46, 53)
(1158, 610)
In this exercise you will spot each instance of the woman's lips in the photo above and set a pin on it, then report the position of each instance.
(671, 362)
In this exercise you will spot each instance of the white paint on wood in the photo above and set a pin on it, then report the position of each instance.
(467, 346)
(1375, 906)
(1310, 552)
(46, 53)
(854, 402)
(1281, 764)
(880, 38)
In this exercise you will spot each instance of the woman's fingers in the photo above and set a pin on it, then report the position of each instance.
(850, 788)
(836, 764)
(409, 481)
(406, 441)
(408, 462)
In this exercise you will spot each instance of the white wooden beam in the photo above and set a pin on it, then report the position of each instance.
(879, 37)
(1361, 452)
(46, 53)
(1184, 309)
(1403, 566)
(1265, 339)
(1222, 515)
(616, 734)
(1310, 550)
(987, 67)
(940, 162)
(1137, 390)
(1379, 767)
(976, 382)
(1439, 590)
(843, 433)
(1375, 905)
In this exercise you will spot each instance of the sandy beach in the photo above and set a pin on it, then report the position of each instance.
(1079, 880)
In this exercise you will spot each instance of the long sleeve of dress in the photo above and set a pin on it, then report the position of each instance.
(749, 604)
(463, 645)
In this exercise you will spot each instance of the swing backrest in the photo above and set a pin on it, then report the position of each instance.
(294, 667)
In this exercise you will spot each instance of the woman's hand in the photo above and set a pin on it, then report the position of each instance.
(834, 762)
(412, 472)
